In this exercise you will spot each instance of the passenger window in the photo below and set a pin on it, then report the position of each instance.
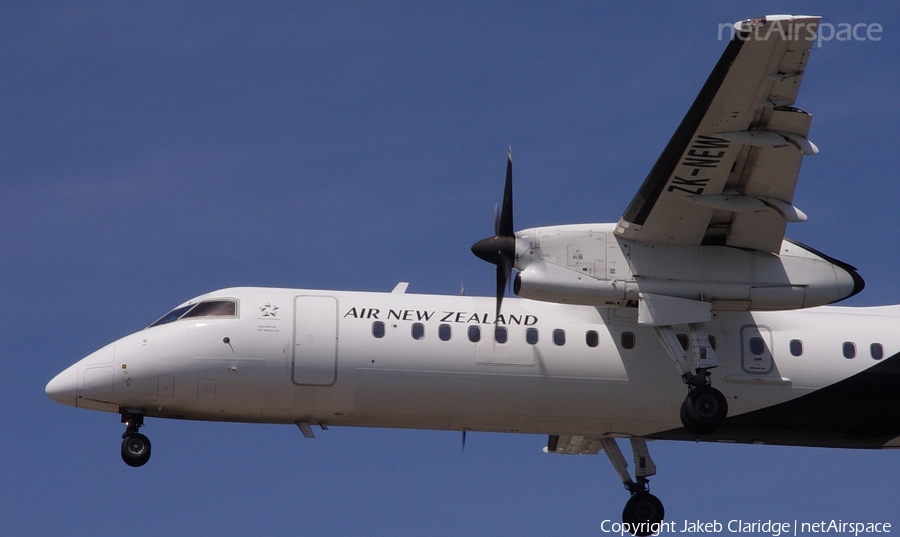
(559, 337)
(531, 336)
(474, 334)
(849, 349)
(213, 308)
(378, 329)
(444, 332)
(685, 342)
(628, 340)
(796, 347)
(876, 350)
(757, 346)
(592, 338)
(418, 331)
(501, 335)
(712, 342)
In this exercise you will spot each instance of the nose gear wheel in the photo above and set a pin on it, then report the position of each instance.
(135, 446)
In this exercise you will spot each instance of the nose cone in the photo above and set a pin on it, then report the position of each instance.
(492, 249)
(62, 388)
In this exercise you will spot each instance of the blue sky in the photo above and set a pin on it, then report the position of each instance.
(152, 152)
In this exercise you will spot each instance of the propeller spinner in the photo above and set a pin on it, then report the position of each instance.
(500, 249)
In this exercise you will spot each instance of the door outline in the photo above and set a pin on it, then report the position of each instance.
(756, 364)
(315, 341)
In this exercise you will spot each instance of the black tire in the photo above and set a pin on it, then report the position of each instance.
(704, 410)
(136, 450)
(686, 420)
(643, 513)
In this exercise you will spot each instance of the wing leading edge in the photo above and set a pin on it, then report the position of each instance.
(728, 174)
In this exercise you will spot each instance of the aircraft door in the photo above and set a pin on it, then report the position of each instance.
(315, 340)
(756, 350)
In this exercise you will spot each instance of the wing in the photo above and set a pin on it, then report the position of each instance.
(728, 174)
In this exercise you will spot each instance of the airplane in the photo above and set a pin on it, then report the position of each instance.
(691, 318)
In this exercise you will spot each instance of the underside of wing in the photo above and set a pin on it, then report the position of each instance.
(728, 174)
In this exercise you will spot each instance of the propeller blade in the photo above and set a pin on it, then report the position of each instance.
(464, 442)
(496, 220)
(500, 249)
(505, 226)
(501, 287)
(504, 268)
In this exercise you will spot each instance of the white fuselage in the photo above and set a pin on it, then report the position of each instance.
(291, 356)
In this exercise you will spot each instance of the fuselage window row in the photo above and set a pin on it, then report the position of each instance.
(848, 349)
(876, 350)
(592, 339)
(501, 334)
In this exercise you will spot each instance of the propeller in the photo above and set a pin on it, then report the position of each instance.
(500, 249)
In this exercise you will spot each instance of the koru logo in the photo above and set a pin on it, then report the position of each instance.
(269, 310)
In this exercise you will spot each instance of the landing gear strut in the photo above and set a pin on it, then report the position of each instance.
(135, 446)
(705, 408)
(643, 512)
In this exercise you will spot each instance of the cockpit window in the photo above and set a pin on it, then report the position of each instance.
(207, 308)
(213, 308)
(173, 315)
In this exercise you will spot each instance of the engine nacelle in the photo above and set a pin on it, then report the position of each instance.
(588, 264)
(548, 282)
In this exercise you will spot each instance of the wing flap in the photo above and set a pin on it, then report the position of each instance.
(767, 172)
(741, 136)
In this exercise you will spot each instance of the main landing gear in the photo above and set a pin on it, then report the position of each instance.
(135, 446)
(705, 408)
(644, 512)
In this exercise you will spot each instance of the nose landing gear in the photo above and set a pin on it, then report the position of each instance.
(135, 446)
